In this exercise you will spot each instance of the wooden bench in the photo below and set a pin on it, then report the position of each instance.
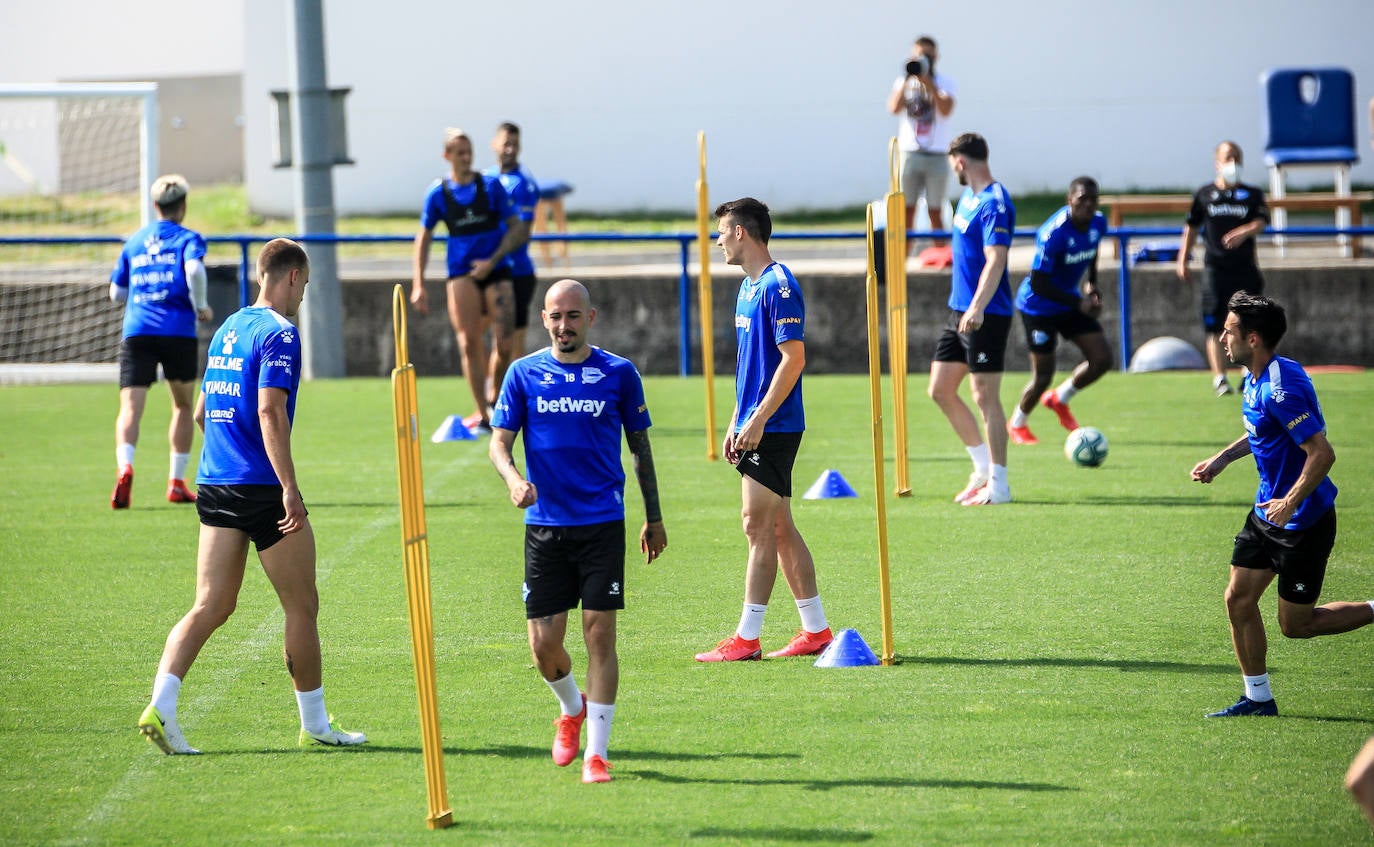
(1118, 206)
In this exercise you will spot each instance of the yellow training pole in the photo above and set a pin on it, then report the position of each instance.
(897, 314)
(415, 550)
(875, 393)
(708, 347)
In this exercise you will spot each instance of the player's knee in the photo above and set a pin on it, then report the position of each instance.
(1296, 628)
(212, 614)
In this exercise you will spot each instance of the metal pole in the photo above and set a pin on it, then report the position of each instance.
(321, 315)
(1123, 299)
(684, 301)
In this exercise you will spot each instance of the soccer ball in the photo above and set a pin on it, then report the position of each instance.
(1086, 446)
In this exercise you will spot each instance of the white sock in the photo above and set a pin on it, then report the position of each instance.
(178, 465)
(1066, 392)
(999, 476)
(1018, 417)
(1371, 605)
(166, 689)
(982, 459)
(751, 621)
(812, 614)
(124, 455)
(565, 689)
(1218, 380)
(314, 718)
(1257, 688)
(599, 717)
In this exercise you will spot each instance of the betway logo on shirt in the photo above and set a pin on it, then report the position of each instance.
(569, 405)
(1080, 256)
(1217, 210)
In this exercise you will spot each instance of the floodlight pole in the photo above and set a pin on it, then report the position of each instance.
(321, 314)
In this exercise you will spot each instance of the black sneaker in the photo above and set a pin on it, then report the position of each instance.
(1245, 707)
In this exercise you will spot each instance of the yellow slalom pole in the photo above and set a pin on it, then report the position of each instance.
(897, 317)
(875, 393)
(704, 304)
(415, 551)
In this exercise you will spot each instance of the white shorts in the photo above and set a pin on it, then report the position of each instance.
(924, 173)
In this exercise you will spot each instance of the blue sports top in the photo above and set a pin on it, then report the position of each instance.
(524, 194)
(153, 267)
(475, 214)
(1064, 252)
(254, 348)
(985, 219)
(767, 313)
(572, 417)
(1281, 412)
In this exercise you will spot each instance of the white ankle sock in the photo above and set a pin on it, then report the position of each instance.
(1018, 417)
(812, 614)
(599, 717)
(1066, 392)
(314, 717)
(1257, 688)
(982, 458)
(166, 689)
(751, 621)
(999, 475)
(124, 455)
(565, 689)
(178, 465)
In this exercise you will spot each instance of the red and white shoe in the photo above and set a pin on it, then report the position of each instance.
(990, 495)
(1051, 401)
(733, 649)
(124, 487)
(177, 492)
(805, 644)
(567, 736)
(595, 769)
(976, 482)
(1021, 435)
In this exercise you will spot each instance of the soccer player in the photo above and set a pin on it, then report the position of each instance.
(249, 492)
(483, 230)
(1292, 527)
(161, 280)
(1229, 214)
(1060, 297)
(524, 196)
(765, 433)
(974, 341)
(572, 400)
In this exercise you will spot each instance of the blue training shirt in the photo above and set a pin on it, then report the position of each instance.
(572, 417)
(152, 266)
(463, 250)
(1281, 412)
(524, 195)
(767, 313)
(255, 348)
(985, 219)
(1064, 252)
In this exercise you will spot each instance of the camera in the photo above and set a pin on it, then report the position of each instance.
(919, 66)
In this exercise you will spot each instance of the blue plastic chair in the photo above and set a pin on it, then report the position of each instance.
(1309, 122)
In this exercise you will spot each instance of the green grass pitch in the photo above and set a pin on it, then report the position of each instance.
(1056, 655)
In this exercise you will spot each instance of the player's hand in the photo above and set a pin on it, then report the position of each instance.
(418, 298)
(1181, 270)
(749, 436)
(1208, 470)
(1278, 512)
(205, 315)
(1091, 303)
(481, 268)
(1234, 238)
(294, 520)
(728, 449)
(652, 539)
(971, 321)
(523, 494)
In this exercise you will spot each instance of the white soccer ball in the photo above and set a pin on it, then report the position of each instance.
(1086, 446)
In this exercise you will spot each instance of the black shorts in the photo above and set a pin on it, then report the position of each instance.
(254, 509)
(1043, 331)
(770, 464)
(139, 356)
(524, 293)
(1218, 284)
(984, 350)
(565, 564)
(1298, 556)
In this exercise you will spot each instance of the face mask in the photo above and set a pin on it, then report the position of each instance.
(1230, 172)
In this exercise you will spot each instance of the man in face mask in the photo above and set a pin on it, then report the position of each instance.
(1229, 213)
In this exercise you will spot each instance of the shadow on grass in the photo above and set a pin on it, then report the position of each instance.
(783, 833)
(871, 782)
(1128, 665)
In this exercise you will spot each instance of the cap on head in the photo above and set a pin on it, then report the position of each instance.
(169, 189)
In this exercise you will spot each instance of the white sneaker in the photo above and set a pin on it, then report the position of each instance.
(990, 495)
(976, 482)
(334, 737)
(165, 735)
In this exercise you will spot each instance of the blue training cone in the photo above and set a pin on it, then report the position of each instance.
(452, 429)
(830, 484)
(848, 650)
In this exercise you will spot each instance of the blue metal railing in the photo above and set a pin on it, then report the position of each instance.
(685, 240)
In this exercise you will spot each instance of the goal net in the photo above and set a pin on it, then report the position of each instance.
(75, 162)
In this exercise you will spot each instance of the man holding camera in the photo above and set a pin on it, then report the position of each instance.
(923, 100)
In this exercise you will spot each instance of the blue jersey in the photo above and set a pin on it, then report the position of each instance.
(153, 267)
(255, 348)
(572, 416)
(475, 214)
(985, 219)
(524, 194)
(1064, 252)
(1281, 412)
(767, 313)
